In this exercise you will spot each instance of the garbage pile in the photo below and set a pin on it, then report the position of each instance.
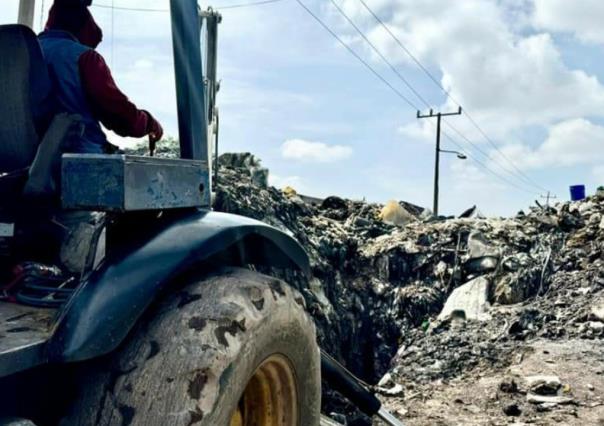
(397, 291)
(538, 275)
(409, 301)
(539, 284)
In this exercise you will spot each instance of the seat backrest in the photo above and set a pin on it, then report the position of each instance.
(25, 97)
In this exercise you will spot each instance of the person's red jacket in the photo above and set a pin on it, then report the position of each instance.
(111, 106)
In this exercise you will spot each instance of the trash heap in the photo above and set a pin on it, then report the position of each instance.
(426, 298)
(368, 267)
(538, 275)
(407, 299)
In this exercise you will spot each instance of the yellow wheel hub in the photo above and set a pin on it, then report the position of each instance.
(270, 397)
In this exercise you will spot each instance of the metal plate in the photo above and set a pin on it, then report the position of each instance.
(131, 183)
(7, 229)
(23, 332)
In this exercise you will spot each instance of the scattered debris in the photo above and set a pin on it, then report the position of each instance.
(548, 399)
(395, 214)
(512, 410)
(543, 385)
(440, 302)
(468, 213)
(508, 386)
(597, 312)
(470, 301)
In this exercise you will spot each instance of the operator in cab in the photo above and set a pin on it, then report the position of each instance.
(83, 83)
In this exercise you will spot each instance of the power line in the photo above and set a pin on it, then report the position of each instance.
(396, 39)
(398, 93)
(487, 168)
(356, 55)
(484, 153)
(257, 3)
(130, 9)
(376, 50)
(482, 132)
(406, 82)
(448, 94)
(351, 51)
(144, 9)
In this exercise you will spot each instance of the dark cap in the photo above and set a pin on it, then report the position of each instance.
(74, 3)
(74, 17)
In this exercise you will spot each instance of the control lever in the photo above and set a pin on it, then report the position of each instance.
(152, 145)
(343, 381)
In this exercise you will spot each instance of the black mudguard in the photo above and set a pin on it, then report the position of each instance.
(111, 300)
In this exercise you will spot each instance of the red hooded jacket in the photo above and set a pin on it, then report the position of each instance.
(111, 106)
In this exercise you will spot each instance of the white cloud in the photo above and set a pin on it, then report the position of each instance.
(8, 14)
(466, 174)
(507, 79)
(143, 64)
(299, 149)
(598, 175)
(569, 143)
(420, 130)
(583, 18)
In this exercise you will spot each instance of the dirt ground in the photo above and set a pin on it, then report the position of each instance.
(478, 398)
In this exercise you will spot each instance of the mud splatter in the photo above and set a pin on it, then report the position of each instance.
(197, 323)
(233, 328)
(127, 414)
(197, 384)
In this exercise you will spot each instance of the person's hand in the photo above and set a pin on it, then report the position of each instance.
(155, 130)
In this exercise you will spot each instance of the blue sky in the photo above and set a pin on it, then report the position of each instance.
(528, 71)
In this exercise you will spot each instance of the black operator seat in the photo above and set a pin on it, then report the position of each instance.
(31, 134)
(25, 91)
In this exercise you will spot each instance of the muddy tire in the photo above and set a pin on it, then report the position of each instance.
(233, 349)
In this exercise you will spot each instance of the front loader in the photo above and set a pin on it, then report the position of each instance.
(156, 317)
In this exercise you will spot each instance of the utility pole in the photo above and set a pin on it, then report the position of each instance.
(438, 150)
(26, 12)
(548, 197)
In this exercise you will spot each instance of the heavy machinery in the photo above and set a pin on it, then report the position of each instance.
(160, 320)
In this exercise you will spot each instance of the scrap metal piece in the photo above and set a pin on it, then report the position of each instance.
(388, 418)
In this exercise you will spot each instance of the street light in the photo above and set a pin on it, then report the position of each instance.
(460, 155)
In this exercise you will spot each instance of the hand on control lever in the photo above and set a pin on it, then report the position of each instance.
(155, 134)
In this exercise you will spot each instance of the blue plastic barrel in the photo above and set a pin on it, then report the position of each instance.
(577, 192)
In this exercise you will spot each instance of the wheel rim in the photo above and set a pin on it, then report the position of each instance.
(270, 397)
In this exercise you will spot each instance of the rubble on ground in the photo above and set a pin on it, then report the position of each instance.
(382, 279)
(382, 276)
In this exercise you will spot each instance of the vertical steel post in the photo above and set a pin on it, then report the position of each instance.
(437, 165)
(190, 88)
(548, 197)
(212, 18)
(26, 12)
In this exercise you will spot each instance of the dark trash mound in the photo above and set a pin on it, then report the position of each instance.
(412, 299)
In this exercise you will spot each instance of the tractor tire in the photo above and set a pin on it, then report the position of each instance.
(234, 349)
